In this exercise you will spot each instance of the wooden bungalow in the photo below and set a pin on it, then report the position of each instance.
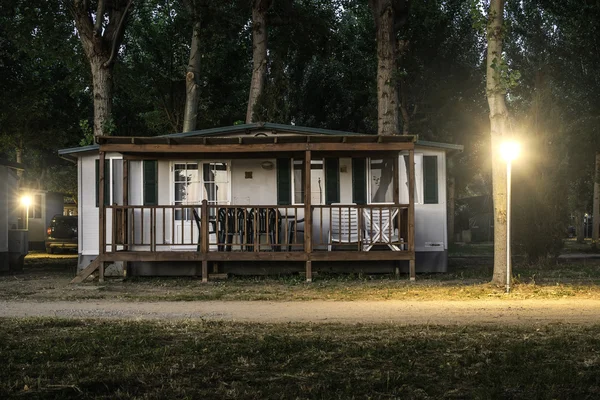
(261, 193)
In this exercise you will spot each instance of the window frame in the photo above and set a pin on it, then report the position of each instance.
(314, 161)
(110, 183)
(200, 164)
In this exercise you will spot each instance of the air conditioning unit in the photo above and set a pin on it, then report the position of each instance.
(18, 247)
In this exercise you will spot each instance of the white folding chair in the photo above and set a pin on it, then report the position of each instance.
(378, 228)
(344, 225)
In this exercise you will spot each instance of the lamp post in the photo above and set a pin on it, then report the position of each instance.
(26, 201)
(509, 151)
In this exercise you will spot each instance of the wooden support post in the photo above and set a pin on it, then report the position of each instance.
(101, 271)
(411, 212)
(396, 187)
(101, 215)
(125, 215)
(396, 181)
(204, 239)
(307, 215)
(204, 271)
(308, 271)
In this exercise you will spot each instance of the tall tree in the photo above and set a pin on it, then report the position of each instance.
(101, 26)
(390, 16)
(259, 54)
(196, 9)
(499, 120)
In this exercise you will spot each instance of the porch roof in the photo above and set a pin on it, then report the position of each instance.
(11, 164)
(207, 145)
(303, 138)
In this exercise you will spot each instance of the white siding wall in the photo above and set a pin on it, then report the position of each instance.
(430, 219)
(88, 212)
(260, 189)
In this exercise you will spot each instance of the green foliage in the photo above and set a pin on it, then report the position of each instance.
(509, 78)
(88, 133)
(42, 93)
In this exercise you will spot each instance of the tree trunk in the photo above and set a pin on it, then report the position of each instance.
(102, 80)
(498, 131)
(101, 42)
(451, 200)
(596, 206)
(579, 227)
(259, 54)
(387, 90)
(19, 159)
(192, 82)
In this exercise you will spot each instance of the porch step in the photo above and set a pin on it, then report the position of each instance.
(87, 271)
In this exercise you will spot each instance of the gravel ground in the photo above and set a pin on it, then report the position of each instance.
(489, 312)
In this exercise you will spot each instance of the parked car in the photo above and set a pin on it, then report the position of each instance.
(62, 233)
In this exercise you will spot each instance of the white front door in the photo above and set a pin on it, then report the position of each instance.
(193, 182)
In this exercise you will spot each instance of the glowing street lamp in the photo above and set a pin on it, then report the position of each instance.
(509, 152)
(26, 201)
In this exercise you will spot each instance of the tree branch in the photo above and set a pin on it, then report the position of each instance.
(99, 18)
(118, 36)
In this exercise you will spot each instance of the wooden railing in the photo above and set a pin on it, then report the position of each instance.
(255, 228)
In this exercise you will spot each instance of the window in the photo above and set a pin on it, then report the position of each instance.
(35, 209)
(317, 183)
(216, 182)
(418, 179)
(191, 187)
(380, 179)
(186, 188)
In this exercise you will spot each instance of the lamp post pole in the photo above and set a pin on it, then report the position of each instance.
(508, 190)
(509, 151)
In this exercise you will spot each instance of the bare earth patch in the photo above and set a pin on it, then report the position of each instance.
(470, 312)
(558, 293)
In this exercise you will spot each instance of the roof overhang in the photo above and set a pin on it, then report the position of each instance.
(215, 145)
(12, 165)
(447, 147)
(244, 139)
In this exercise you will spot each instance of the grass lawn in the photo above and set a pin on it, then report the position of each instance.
(48, 279)
(52, 358)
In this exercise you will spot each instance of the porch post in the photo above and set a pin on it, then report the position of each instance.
(395, 186)
(411, 213)
(125, 215)
(204, 243)
(307, 215)
(101, 216)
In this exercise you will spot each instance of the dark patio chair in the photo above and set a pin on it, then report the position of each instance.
(267, 221)
(197, 219)
(231, 222)
(296, 228)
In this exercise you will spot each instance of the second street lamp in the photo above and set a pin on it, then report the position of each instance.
(509, 151)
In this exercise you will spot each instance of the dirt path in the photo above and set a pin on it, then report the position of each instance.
(490, 312)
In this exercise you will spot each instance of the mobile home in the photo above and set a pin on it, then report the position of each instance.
(266, 195)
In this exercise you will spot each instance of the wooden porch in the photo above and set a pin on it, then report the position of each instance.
(215, 233)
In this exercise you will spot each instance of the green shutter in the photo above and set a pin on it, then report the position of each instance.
(430, 180)
(284, 181)
(359, 180)
(106, 182)
(150, 182)
(332, 180)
